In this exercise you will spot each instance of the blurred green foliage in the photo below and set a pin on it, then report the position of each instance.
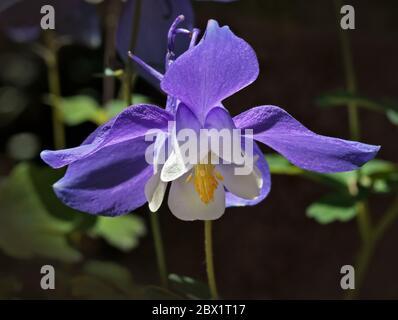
(333, 207)
(27, 229)
(188, 287)
(123, 232)
(376, 177)
(36, 223)
(104, 280)
(82, 108)
(388, 107)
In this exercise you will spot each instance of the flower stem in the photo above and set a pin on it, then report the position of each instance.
(363, 219)
(388, 218)
(363, 215)
(111, 19)
(353, 115)
(209, 260)
(369, 234)
(368, 246)
(160, 256)
(55, 89)
(127, 94)
(362, 263)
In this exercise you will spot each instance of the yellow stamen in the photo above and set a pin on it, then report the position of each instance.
(205, 181)
(219, 176)
(189, 178)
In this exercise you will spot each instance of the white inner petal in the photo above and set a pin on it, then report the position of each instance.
(243, 186)
(160, 149)
(174, 167)
(185, 203)
(154, 192)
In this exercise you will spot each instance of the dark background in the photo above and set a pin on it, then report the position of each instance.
(272, 250)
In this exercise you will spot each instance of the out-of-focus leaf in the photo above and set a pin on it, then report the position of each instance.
(111, 272)
(378, 168)
(332, 207)
(9, 286)
(380, 176)
(114, 107)
(43, 179)
(113, 73)
(122, 232)
(189, 287)
(104, 280)
(79, 109)
(339, 180)
(139, 98)
(27, 229)
(342, 98)
(377, 176)
(89, 287)
(392, 115)
(279, 165)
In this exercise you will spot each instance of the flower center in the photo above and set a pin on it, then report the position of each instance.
(205, 180)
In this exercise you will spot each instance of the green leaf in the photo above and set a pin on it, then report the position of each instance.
(189, 287)
(79, 109)
(112, 273)
(114, 107)
(333, 207)
(342, 98)
(27, 229)
(104, 280)
(122, 232)
(88, 287)
(108, 72)
(43, 179)
(392, 115)
(378, 168)
(279, 165)
(380, 176)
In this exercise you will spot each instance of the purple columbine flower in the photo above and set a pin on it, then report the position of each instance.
(76, 19)
(108, 173)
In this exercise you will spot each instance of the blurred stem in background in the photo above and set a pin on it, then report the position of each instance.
(369, 233)
(160, 257)
(209, 260)
(129, 72)
(127, 88)
(363, 216)
(112, 10)
(51, 59)
(368, 246)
